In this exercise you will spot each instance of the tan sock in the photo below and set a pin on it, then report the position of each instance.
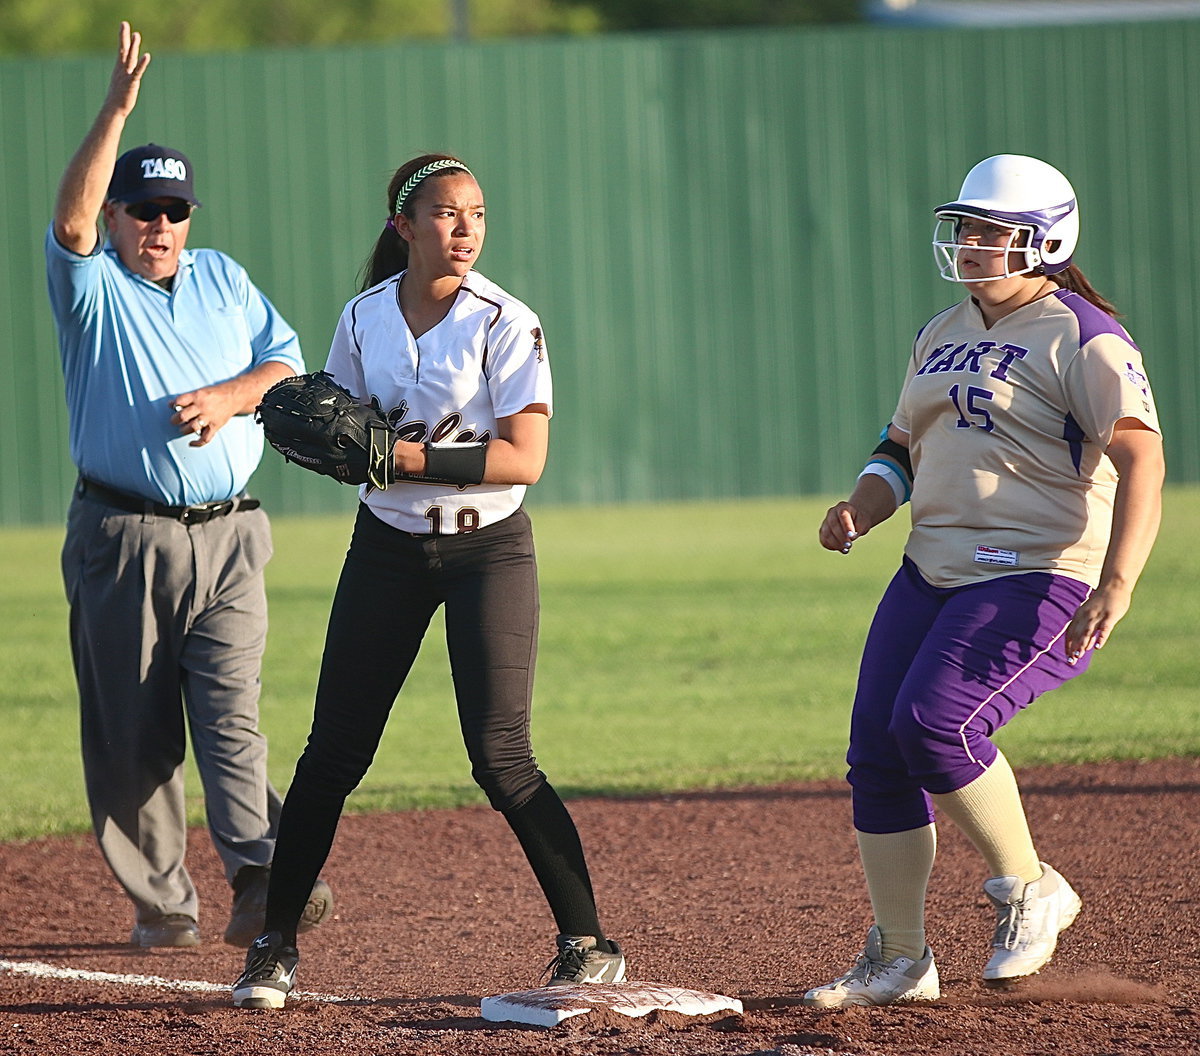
(989, 812)
(897, 866)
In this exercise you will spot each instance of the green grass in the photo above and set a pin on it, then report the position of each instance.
(683, 646)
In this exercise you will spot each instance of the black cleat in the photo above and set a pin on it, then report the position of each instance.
(579, 961)
(270, 973)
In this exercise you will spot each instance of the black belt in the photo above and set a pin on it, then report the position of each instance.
(185, 514)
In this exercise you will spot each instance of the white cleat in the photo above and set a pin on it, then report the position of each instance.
(874, 981)
(1029, 918)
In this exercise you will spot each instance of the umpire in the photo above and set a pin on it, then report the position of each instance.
(166, 351)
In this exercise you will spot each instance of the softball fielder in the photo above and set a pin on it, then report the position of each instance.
(460, 368)
(1027, 439)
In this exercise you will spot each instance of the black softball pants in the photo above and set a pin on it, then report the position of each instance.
(391, 585)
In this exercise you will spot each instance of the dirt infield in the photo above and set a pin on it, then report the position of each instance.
(755, 894)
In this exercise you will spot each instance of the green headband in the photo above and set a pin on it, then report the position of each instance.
(411, 183)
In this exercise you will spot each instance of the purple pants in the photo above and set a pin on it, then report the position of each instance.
(942, 670)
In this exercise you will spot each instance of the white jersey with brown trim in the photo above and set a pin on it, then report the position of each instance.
(484, 361)
(1008, 429)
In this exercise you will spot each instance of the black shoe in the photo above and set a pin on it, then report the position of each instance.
(318, 908)
(175, 929)
(579, 961)
(269, 975)
(249, 914)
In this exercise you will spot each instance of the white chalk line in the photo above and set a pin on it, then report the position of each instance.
(41, 970)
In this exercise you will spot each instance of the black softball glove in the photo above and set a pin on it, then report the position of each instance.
(313, 421)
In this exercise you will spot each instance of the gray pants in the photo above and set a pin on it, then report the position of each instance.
(168, 624)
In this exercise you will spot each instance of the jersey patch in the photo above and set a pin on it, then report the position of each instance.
(993, 555)
(1139, 381)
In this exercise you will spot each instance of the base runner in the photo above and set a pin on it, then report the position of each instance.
(1027, 438)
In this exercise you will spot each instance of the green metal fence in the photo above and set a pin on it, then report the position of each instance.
(726, 234)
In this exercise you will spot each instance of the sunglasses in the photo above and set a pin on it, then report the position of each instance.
(147, 212)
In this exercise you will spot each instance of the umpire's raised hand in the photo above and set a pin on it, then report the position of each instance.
(84, 184)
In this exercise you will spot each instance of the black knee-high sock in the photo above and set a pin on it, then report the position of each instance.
(551, 843)
(307, 826)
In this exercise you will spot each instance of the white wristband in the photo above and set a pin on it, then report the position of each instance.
(896, 482)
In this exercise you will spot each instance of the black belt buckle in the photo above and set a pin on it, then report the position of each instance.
(201, 514)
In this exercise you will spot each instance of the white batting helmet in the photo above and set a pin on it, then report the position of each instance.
(1019, 193)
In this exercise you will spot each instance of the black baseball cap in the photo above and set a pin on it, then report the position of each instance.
(151, 172)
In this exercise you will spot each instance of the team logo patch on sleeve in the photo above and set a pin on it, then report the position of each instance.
(993, 555)
(1137, 378)
(539, 346)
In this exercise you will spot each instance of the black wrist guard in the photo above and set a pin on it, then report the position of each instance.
(898, 454)
(455, 463)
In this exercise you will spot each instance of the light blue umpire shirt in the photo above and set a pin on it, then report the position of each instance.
(128, 347)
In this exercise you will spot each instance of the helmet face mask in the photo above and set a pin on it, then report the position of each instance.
(1017, 253)
(1024, 195)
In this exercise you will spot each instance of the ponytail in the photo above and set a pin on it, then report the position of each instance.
(1071, 278)
(388, 257)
